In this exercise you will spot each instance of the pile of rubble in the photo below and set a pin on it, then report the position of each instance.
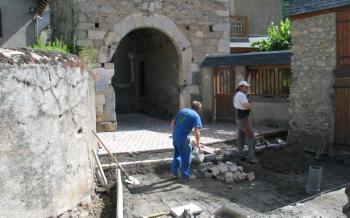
(227, 172)
(346, 208)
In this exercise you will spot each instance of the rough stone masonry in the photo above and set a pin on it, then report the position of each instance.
(196, 28)
(313, 62)
(46, 117)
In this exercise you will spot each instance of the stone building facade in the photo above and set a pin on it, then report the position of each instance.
(148, 51)
(315, 72)
(313, 62)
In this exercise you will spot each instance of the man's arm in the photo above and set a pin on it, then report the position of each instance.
(247, 106)
(172, 125)
(197, 133)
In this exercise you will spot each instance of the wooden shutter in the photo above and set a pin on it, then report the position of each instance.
(343, 38)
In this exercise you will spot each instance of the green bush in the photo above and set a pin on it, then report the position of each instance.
(56, 45)
(278, 38)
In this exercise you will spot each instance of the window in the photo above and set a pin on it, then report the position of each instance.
(270, 80)
(239, 25)
(343, 38)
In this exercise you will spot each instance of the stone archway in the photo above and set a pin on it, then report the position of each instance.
(140, 21)
(147, 66)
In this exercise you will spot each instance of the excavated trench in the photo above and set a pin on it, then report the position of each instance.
(272, 188)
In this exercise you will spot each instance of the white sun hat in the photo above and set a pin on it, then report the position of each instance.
(243, 83)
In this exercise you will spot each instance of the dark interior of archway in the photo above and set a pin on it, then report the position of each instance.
(146, 74)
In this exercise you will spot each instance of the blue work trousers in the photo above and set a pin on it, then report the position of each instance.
(182, 158)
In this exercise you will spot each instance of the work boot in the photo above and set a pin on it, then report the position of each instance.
(184, 180)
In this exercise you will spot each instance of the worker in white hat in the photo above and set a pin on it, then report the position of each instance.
(245, 132)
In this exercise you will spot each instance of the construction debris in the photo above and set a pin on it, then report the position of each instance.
(227, 172)
(191, 208)
(346, 208)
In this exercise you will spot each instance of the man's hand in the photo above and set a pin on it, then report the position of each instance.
(200, 148)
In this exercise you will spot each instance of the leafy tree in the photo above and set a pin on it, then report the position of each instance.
(278, 38)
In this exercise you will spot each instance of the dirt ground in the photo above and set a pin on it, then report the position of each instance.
(272, 188)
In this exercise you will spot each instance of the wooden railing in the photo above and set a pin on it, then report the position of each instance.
(270, 80)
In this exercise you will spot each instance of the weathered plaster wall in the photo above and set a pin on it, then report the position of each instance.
(18, 25)
(313, 62)
(271, 112)
(195, 27)
(260, 13)
(46, 117)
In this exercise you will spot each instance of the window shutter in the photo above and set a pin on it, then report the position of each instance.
(343, 38)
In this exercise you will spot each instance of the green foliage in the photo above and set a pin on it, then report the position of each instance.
(56, 45)
(278, 38)
(88, 55)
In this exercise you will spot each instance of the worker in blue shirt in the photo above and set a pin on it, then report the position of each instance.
(181, 126)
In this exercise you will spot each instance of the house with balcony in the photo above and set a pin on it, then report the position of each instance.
(249, 20)
(21, 21)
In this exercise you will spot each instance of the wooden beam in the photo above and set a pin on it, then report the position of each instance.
(119, 193)
(100, 169)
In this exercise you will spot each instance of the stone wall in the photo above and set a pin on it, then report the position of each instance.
(46, 116)
(313, 62)
(196, 28)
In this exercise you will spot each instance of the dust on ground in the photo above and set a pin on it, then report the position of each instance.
(270, 190)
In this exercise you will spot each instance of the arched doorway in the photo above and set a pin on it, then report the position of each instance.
(147, 67)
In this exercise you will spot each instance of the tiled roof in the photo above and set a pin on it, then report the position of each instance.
(248, 59)
(307, 6)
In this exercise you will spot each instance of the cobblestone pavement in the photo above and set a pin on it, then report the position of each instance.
(137, 132)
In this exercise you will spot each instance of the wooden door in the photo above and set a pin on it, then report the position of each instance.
(342, 111)
(224, 80)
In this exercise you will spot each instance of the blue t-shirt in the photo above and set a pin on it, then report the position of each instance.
(185, 120)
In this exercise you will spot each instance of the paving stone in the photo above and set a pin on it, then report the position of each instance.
(250, 176)
(228, 175)
(229, 180)
(206, 165)
(215, 171)
(229, 163)
(223, 168)
(233, 168)
(203, 171)
(137, 132)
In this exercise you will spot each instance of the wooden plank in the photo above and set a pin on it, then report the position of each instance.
(119, 195)
(347, 117)
(97, 160)
(343, 38)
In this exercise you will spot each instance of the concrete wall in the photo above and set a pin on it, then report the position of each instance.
(271, 112)
(260, 13)
(313, 62)
(196, 28)
(46, 117)
(18, 25)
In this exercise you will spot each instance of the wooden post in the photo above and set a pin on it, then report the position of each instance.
(104, 179)
(119, 193)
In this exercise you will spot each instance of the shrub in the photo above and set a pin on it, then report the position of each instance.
(278, 38)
